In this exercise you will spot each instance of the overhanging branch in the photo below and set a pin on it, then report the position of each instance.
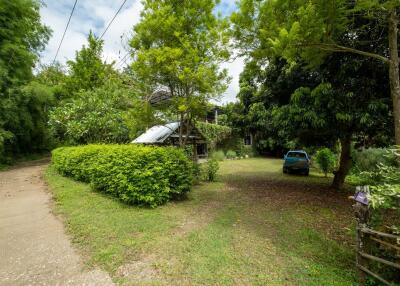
(343, 49)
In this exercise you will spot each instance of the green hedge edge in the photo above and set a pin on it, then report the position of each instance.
(136, 174)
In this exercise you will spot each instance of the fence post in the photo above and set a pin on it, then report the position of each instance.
(362, 214)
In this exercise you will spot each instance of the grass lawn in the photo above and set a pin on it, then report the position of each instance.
(254, 226)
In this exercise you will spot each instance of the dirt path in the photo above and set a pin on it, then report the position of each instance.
(34, 249)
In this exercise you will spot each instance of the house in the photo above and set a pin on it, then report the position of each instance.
(168, 134)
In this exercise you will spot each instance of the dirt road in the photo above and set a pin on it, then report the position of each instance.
(34, 249)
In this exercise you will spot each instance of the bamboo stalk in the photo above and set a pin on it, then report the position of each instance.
(371, 257)
(366, 270)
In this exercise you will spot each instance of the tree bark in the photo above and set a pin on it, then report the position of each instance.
(394, 71)
(345, 163)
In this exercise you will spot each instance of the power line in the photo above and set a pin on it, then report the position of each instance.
(65, 31)
(109, 24)
(123, 60)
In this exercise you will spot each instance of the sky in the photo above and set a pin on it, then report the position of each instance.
(95, 15)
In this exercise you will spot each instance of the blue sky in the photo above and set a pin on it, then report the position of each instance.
(95, 15)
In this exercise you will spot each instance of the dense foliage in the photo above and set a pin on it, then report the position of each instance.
(213, 133)
(384, 199)
(212, 167)
(369, 159)
(310, 30)
(92, 116)
(295, 94)
(88, 71)
(385, 181)
(97, 104)
(218, 155)
(326, 160)
(230, 154)
(148, 176)
(23, 105)
(178, 45)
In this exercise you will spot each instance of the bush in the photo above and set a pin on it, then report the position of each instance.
(326, 160)
(231, 154)
(94, 116)
(367, 160)
(141, 175)
(218, 155)
(197, 173)
(212, 169)
(384, 182)
(247, 151)
(384, 202)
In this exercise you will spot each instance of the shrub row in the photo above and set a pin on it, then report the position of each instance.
(140, 175)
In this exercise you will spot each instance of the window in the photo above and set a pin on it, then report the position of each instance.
(296, 155)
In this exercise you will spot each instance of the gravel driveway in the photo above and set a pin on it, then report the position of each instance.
(34, 249)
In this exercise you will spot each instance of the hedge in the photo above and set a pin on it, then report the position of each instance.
(141, 175)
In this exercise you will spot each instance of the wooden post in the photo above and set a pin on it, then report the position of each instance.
(362, 215)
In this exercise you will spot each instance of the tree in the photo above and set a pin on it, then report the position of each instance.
(93, 116)
(22, 108)
(263, 90)
(178, 45)
(313, 29)
(97, 104)
(346, 103)
(88, 71)
(329, 113)
(55, 77)
(341, 92)
(22, 37)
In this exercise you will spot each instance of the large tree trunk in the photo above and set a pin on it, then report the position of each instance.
(394, 71)
(345, 164)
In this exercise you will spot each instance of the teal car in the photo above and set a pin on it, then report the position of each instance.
(296, 161)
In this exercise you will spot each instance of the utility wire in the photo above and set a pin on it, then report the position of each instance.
(65, 31)
(109, 24)
(123, 60)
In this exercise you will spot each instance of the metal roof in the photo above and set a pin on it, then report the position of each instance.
(157, 134)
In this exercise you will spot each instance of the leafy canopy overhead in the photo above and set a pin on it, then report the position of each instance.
(306, 29)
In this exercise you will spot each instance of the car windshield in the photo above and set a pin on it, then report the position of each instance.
(296, 155)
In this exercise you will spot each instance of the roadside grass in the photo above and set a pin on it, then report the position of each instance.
(253, 226)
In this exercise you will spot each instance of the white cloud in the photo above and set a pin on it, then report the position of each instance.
(95, 16)
(234, 69)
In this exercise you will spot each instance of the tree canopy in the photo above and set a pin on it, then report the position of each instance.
(22, 104)
(311, 30)
(179, 45)
(301, 92)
